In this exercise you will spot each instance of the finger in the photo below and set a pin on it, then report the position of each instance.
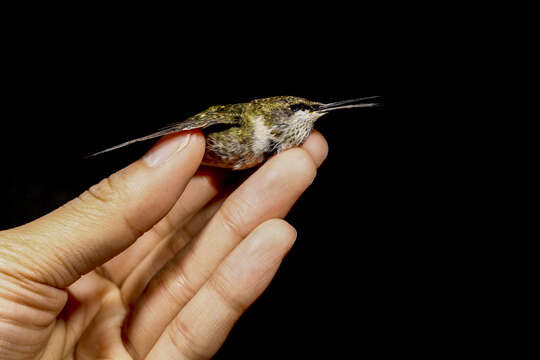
(201, 189)
(200, 328)
(164, 251)
(72, 240)
(268, 193)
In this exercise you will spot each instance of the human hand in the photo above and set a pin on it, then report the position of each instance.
(157, 261)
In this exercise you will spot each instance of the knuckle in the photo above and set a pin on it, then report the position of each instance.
(188, 288)
(134, 230)
(185, 341)
(164, 286)
(110, 194)
(111, 189)
(177, 241)
(232, 215)
(225, 291)
(103, 191)
(175, 286)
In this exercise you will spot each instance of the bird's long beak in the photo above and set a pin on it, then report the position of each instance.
(348, 104)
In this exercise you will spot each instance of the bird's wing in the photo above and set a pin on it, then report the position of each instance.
(224, 114)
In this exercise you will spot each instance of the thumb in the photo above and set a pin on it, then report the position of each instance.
(89, 230)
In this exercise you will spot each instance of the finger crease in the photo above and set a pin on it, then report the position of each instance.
(231, 223)
(163, 284)
(189, 346)
(135, 232)
(219, 284)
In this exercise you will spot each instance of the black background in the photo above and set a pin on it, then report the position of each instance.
(347, 285)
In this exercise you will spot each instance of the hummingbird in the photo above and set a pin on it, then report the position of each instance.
(241, 136)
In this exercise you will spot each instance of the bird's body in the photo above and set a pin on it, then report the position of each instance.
(265, 127)
(241, 136)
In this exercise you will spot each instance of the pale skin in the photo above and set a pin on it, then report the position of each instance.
(158, 261)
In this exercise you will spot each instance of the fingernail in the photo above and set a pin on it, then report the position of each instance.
(165, 149)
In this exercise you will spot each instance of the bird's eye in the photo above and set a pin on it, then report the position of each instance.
(300, 107)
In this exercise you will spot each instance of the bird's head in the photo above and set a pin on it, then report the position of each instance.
(291, 108)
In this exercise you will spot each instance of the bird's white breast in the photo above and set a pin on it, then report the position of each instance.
(261, 136)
